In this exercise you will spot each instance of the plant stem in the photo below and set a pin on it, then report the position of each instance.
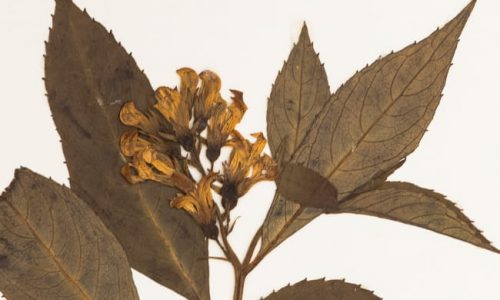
(225, 245)
(251, 248)
(239, 284)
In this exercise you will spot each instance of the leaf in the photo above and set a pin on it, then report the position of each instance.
(283, 219)
(52, 246)
(369, 125)
(286, 217)
(379, 116)
(88, 78)
(410, 204)
(300, 91)
(320, 289)
(298, 94)
(306, 187)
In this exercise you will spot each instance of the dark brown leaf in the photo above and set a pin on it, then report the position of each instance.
(283, 219)
(410, 204)
(369, 125)
(306, 187)
(298, 94)
(88, 78)
(322, 290)
(52, 246)
(286, 217)
(379, 116)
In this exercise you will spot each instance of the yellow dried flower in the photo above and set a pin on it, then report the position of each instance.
(245, 168)
(222, 123)
(200, 205)
(131, 116)
(175, 109)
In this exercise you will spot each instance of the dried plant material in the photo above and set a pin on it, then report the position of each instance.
(135, 156)
(306, 187)
(369, 125)
(410, 204)
(246, 167)
(199, 203)
(209, 96)
(222, 123)
(379, 116)
(89, 76)
(53, 246)
(149, 164)
(176, 110)
(284, 218)
(299, 93)
(322, 290)
(131, 116)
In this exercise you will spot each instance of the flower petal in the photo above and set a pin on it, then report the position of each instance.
(258, 145)
(189, 79)
(131, 143)
(126, 171)
(131, 116)
(186, 202)
(210, 88)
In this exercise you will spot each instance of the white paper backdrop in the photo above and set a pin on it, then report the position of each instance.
(245, 42)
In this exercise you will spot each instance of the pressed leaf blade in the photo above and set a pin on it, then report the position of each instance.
(413, 205)
(300, 91)
(88, 78)
(306, 187)
(379, 116)
(370, 124)
(321, 289)
(283, 219)
(53, 246)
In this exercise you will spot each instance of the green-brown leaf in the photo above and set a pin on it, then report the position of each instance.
(322, 290)
(410, 204)
(88, 78)
(53, 246)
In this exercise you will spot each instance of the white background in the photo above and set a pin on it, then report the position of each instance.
(245, 42)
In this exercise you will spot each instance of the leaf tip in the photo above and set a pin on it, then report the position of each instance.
(304, 34)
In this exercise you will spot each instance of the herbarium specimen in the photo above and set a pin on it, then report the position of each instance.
(146, 191)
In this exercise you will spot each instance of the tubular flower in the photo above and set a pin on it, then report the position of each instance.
(149, 128)
(222, 124)
(245, 168)
(178, 118)
(149, 164)
(131, 116)
(176, 110)
(207, 99)
(189, 85)
(200, 205)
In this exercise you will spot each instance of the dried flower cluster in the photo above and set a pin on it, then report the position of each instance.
(192, 116)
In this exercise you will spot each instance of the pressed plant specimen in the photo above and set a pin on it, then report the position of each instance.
(151, 184)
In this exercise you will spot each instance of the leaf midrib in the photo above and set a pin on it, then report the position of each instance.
(49, 252)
